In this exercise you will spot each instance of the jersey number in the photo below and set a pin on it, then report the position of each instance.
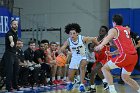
(127, 34)
(78, 50)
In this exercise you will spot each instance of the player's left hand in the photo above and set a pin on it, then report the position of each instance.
(99, 47)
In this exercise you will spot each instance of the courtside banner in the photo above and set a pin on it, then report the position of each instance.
(5, 18)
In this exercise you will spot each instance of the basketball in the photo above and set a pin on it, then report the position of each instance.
(61, 60)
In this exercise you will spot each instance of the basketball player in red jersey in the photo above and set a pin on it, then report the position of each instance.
(127, 52)
(101, 59)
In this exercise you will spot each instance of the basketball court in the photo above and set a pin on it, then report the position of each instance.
(62, 88)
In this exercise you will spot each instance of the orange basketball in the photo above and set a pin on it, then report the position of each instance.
(61, 60)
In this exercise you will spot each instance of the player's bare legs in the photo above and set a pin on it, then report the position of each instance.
(82, 74)
(82, 70)
(71, 75)
(106, 72)
(127, 79)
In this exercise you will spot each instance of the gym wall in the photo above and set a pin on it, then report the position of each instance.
(130, 10)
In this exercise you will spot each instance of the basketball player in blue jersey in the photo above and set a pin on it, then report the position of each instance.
(76, 44)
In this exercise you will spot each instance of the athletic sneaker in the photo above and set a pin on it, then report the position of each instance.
(105, 85)
(61, 82)
(121, 82)
(55, 82)
(91, 90)
(82, 88)
(69, 86)
(49, 83)
(86, 78)
(76, 81)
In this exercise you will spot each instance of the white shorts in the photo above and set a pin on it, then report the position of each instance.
(75, 62)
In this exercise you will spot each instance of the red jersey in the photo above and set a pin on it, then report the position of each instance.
(101, 56)
(123, 42)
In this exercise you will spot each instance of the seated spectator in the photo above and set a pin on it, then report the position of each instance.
(40, 58)
(23, 71)
(55, 70)
(29, 58)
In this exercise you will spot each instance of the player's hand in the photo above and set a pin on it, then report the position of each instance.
(69, 53)
(53, 62)
(12, 44)
(61, 54)
(99, 47)
(38, 65)
(108, 53)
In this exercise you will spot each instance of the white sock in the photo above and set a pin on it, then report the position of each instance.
(70, 82)
(92, 86)
(58, 78)
(53, 78)
(48, 79)
(64, 78)
(112, 88)
(138, 90)
(104, 80)
(78, 77)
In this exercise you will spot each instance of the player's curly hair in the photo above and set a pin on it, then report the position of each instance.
(72, 26)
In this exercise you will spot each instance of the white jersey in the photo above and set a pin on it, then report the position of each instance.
(78, 50)
(91, 57)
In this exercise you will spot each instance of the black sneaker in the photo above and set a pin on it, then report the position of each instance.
(91, 90)
(49, 83)
(106, 87)
(121, 82)
(86, 78)
(16, 88)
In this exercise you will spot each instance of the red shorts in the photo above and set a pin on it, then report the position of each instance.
(126, 61)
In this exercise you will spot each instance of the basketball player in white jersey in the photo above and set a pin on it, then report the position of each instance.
(76, 43)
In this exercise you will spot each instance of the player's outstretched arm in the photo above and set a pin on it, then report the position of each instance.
(91, 39)
(63, 47)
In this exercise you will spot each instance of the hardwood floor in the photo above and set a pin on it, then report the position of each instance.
(62, 88)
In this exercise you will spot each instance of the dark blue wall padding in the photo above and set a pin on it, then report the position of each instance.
(132, 18)
(126, 14)
(136, 20)
(5, 18)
